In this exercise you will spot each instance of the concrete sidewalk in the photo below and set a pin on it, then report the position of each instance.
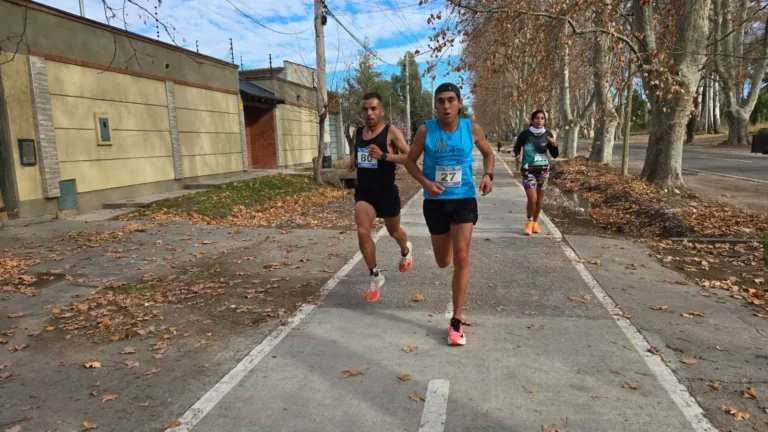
(534, 357)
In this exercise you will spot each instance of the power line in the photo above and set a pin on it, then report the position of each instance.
(363, 45)
(402, 18)
(262, 25)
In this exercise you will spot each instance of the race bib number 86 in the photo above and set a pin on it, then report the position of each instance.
(364, 159)
(448, 176)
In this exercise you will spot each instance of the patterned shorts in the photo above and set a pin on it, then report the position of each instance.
(535, 178)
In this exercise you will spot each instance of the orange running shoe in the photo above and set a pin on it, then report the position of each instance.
(373, 289)
(528, 227)
(536, 228)
(406, 262)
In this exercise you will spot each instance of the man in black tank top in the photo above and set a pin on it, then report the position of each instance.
(378, 148)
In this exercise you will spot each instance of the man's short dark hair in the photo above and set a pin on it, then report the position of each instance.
(371, 95)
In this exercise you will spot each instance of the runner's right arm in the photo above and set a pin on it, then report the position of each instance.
(519, 144)
(417, 149)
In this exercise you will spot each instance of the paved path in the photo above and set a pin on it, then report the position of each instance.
(533, 357)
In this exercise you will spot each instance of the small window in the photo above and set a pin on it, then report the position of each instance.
(298, 98)
(103, 130)
(27, 152)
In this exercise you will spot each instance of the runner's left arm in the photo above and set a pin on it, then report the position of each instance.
(489, 160)
(552, 145)
(397, 141)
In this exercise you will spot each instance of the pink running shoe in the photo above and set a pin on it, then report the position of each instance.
(456, 333)
(406, 262)
(373, 288)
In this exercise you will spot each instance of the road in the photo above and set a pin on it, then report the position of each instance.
(699, 159)
(534, 357)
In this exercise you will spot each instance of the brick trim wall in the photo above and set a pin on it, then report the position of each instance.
(124, 71)
(178, 167)
(48, 155)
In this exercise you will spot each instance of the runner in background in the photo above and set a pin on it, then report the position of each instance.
(531, 150)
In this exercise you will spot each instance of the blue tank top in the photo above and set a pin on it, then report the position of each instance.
(448, 159)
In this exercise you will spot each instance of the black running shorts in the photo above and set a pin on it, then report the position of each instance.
(386, 202)
(440, 214)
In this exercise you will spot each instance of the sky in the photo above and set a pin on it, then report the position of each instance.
(284, 29)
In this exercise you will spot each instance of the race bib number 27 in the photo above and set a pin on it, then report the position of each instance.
(364, 159)
(448, 176)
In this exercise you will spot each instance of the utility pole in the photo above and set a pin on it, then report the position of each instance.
(407, 97)
(82, 9)
(628, 121)
(322, 96)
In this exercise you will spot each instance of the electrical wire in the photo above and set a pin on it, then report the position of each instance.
(262, 25)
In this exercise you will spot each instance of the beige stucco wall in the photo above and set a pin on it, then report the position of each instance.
(138, 115)
(209, 131)
(299, 134)
(22, 123)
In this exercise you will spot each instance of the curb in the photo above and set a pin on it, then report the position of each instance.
(19, 223)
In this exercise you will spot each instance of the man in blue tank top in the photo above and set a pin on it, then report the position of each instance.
(450, 204)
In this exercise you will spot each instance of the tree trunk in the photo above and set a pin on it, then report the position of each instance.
(605, 130)
(690, 129)
(571, 138)
(716, 107)
(664, 158)
(738, 127)
(320, 147)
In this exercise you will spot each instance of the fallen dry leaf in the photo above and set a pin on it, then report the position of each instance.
(750, 393)
(737, 415)
(353, 372)
(419, 298)
(659, 307)
(108, 397)
(654, 351)
(171, 425)
(128, 350)
(16, 315)
(92, 365)
(410, 348)
(590, 261)
(405, 377)
(718, 348)
(694, 313)
(88, 426)
(16, 428)
(685, 315)
(131, 364)
(583, 300)
(50, 328)
(688, 360)
(550, 428)
(15, 348)
(676, 282)
(417, 398)
(152, 372)
(630, 385)
(715, 385)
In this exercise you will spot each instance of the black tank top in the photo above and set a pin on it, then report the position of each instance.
(381, 177)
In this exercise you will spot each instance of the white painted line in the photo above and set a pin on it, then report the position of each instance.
(449, 310)
(726, 175)
(215, 394)
(435, 406)
(726, 159)
(666, 377)
(209, 400)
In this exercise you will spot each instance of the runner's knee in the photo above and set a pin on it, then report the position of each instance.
(461, 258)
(363, 232)
(443, 262)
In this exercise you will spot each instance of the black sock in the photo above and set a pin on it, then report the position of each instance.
(374, 271)
(405, 254)
(455, 323)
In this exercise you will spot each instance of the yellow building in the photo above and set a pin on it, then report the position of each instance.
(295, 118)
(90, 113)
